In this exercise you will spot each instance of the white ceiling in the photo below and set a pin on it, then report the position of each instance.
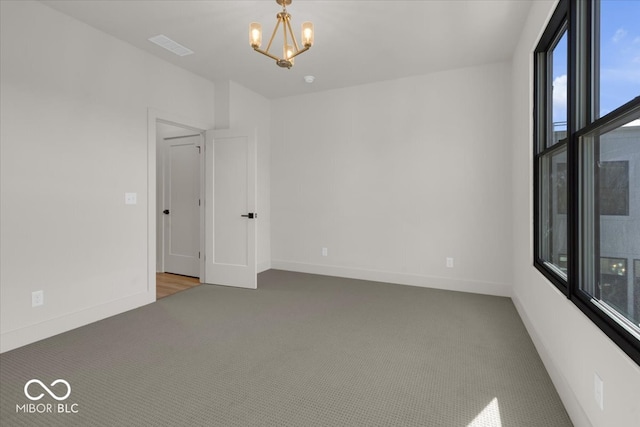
(356, 42)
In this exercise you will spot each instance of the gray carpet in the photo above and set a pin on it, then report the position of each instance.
(302, 350)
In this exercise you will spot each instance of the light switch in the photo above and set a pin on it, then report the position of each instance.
(130, 198)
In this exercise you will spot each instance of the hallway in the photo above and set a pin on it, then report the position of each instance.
(169, 284)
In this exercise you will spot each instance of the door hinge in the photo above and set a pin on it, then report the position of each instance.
(198, 202)
(199, 149)
(198, 255)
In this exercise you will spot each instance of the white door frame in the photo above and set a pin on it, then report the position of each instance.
(154, 116)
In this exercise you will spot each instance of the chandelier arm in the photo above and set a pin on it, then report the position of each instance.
(257, 49)
(299, 52)
(273, 35)
(293, 36)
(284, 33)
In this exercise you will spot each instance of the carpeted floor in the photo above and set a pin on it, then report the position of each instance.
(302, 350)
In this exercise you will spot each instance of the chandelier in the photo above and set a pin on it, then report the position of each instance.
(289, 51)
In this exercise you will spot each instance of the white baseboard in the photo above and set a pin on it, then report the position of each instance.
(20, 337)
(462, 285)
(264, 266)
(571, 404)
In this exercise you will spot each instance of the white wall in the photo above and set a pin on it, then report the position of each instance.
(571, 346)
(394, 177)
(73, 141)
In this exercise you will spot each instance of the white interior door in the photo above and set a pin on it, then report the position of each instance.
(231, 218)
(181, 210)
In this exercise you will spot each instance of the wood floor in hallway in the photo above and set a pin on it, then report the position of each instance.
(169, 284)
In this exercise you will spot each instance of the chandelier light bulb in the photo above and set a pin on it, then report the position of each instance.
(288, 53)
(255, 34)
(307, 34)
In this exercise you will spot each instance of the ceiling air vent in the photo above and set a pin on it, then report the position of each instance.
(165, 42)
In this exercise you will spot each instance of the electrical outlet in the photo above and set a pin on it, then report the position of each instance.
(37, 298)
(130, 198)
(598, 391)
(449, 262)
(325, 252)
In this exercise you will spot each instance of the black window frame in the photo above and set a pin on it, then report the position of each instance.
(636, 285)
(558, 24)
(577, 17)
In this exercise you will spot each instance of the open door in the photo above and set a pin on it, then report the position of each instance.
(230, 208)
(181, 207)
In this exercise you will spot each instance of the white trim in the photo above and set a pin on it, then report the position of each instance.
(264, 266)
(460, 285)
(565, 391)
(20, 337)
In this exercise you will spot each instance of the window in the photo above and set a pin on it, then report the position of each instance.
(613, 283)
(617, 35)
(558, 61)
(551, 156)
(587, 162)
(553, 208)
(603, 195)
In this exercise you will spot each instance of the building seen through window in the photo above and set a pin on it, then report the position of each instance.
(617, 173)
(619, 225)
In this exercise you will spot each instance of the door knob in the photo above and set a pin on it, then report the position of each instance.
(250, 215)
(166, 211)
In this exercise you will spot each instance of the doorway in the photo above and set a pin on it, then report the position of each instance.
(227, 228)
(168, 284)
(178, 205)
